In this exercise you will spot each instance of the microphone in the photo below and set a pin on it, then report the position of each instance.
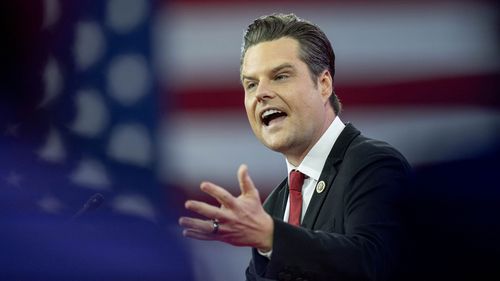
(93, 203)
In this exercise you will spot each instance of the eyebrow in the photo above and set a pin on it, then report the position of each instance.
(273, 71)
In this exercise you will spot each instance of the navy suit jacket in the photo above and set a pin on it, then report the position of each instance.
(353, 229)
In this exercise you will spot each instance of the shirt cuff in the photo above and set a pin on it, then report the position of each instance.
(265, 254)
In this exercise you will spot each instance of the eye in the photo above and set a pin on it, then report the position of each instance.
(281, 76)
(250, 85)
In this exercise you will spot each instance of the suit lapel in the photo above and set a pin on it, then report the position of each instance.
(276, 201)
(282, 199)
(328, 174)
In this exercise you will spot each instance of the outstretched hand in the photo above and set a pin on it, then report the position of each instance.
(242, 220)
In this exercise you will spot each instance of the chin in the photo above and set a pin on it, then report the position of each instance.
(275, 145)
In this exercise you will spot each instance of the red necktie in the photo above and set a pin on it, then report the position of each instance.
(296, 181)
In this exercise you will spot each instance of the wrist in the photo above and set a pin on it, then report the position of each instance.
(266, 242)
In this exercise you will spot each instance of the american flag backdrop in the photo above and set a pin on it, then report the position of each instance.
(140, 101)
(404, 70)
(421, 75)
(78, 117)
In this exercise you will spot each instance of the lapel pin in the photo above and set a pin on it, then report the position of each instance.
(320, 187)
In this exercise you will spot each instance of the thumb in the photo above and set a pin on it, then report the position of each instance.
(246, 183)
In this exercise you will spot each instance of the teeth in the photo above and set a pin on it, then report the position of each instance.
(269, 112)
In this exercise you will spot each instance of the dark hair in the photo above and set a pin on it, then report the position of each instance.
(315, 49)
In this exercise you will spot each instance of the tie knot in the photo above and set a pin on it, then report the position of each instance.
(296, 180)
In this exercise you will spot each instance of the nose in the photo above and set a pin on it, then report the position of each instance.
(264, 92)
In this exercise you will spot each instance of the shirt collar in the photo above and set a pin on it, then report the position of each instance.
(313, 163)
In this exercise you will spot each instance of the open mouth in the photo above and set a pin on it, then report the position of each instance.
(270, 115)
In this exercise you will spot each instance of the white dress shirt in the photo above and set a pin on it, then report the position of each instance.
(313, 163)
(311, 166)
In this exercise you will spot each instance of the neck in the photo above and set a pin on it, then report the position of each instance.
(297, 157)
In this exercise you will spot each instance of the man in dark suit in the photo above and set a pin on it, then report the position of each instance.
(338, 216)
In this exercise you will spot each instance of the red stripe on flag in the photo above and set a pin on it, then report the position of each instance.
(310, 2)
(469, 90)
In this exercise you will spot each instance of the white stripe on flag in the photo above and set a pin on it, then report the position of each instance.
(212, 146)
(373, 42)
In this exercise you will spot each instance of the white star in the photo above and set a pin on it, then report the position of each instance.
(92, 116)
(53, 150)
(14, 179)
(52, 13)
(50, 204)
(135, 205)
(53, 80)
(12, 130)
(124, 15)
(89, 44)
(131, 144)
(92, 174)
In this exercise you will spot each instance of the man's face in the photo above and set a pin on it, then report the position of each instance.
(287, 110)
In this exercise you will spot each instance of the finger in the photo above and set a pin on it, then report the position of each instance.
(205, 209)
(196, 224)
(223, 196)
(246, 184)
(198, 235)
(221, 234)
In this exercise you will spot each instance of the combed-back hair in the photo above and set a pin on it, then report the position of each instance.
(315, 50)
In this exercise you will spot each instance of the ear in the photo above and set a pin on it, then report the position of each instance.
(325, 82)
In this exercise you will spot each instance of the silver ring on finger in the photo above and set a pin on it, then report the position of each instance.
(215, 225)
